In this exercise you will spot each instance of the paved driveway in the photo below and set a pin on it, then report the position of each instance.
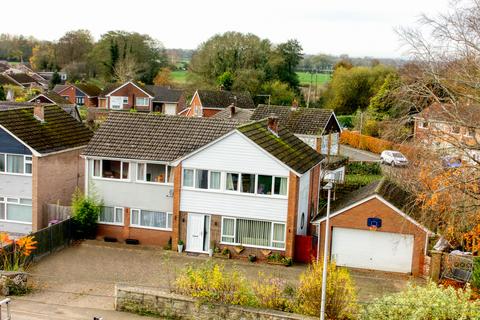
(82, 278)
(358, 155)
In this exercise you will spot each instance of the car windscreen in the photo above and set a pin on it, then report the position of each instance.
(398, 155)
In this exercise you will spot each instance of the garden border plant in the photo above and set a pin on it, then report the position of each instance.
(85, 213)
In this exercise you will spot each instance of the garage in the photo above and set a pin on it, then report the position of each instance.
(371, 229)
(374, 250)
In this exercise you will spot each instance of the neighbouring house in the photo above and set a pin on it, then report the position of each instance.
(370, 229)
(40, 164)
(81, 94)
(25, 80)
(71, 109)
(48, 75)
(208, 182)
(206, 103)
(132, 95)
(449, 129)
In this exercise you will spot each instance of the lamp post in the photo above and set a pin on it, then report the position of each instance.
(327, 187)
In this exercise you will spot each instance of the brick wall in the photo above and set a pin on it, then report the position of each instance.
(293, 187)
(70, 93)
(356, 218)
(195, 107)
(177, 185)
(54, 179)
(145, 236)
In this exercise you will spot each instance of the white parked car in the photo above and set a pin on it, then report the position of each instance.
(393, 158)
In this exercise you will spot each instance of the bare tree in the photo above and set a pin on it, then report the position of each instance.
(126, 69)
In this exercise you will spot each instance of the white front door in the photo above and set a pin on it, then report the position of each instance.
(372, 250)
(116, 102)
(197, 232)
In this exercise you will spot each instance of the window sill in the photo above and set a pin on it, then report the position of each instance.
(150, 228)
(111, 179)
(15, 221)
(169, 184)
(111, 224)
(251, 246)
(16, 174)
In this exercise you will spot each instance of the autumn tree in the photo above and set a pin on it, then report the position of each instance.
(163, 77)
(73, 47)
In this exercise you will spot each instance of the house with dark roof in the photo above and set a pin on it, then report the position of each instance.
(206, 103)
(81, 94)
(25, 80)
(148, 98)
(374, 228)
(234, 113)
(40, 164)
(211, 183)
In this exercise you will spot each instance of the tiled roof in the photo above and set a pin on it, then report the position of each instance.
(308, 121)
(60, 87)
(287, 148)
(384, 187)
(127, 135)
(6, 80)
(54, 97)
(164, 94)
(58, 132)
(22, 78)
(241, 115)
(222, 99)
(466, 114)
(89, 89)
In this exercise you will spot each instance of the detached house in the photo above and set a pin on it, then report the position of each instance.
(81, 94)
(132, 95)
(206, 103)
(207, 182)
(40, 163)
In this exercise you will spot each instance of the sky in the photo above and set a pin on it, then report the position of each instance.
(354, 27)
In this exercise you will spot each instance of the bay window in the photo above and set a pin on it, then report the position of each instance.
(154, 172)
(151, 219)
(16, 209)
(255, 233)
(112, 215)
(111, 169)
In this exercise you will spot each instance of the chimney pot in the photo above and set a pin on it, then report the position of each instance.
(294, 105)
(272, 124)
(232, 110)
(39, 112)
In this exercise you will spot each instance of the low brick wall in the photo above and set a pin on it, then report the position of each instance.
(150, 301)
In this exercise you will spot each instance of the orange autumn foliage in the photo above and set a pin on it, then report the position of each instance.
(368, 143)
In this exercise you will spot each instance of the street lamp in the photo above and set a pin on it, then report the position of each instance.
(329, 186)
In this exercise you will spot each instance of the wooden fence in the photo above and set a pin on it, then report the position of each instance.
(57, 212)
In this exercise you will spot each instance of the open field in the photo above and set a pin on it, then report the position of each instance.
(180, 76)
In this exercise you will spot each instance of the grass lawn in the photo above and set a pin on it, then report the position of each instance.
(361, 180)
(179, 76)
(304, 78)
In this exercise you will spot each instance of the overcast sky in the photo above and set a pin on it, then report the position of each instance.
(353, 27)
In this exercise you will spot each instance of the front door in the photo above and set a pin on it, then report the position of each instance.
(197, 232)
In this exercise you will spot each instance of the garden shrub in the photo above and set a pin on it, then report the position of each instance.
(85, 212)
(210, 283)
(425, 303)
(476, 273)
(271, 293)
(341, 296)
(364, 168)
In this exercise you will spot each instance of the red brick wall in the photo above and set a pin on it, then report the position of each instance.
(356, 218)
(313, 195)
(132, 92)
(293, 188)
(145, 236)
(177, 184)
(54, 179)
(195, 105)
(91, 102)
(69, 94)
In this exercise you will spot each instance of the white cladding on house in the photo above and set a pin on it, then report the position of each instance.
(130, 193)
(302, 216)
(235, 153)
(16, 186)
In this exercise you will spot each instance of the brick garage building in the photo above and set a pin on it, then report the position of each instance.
(369, 230)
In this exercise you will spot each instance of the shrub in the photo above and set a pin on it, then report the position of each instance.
(85, 213)
(421, 303)
(211, 283)
(364, 168)
(341, 296)
(476, 273)
(346, 121)
(270, 293)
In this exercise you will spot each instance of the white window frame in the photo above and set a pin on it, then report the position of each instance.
(145, 99)
(128, 178)
(193, 178)
(125, 100)
(80, 101)
(27, 159)
(235, 243)
(16, 201)
(167, 173)
(421, 124)
(169, 216)
(114, 223)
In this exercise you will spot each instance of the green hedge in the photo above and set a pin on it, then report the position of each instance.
(365, 168)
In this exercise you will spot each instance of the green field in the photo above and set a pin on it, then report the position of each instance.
(304, 77)
(179, 76)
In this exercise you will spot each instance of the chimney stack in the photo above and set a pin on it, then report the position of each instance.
(39, 111)
(294, 105)
(232, 110)
(272, 124)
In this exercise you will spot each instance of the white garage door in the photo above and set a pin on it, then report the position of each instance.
(372, 250)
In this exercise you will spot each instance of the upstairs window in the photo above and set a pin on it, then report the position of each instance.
(154, 172)
(17, 164)
(111, 169)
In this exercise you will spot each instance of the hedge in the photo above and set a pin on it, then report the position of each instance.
(368, 143)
